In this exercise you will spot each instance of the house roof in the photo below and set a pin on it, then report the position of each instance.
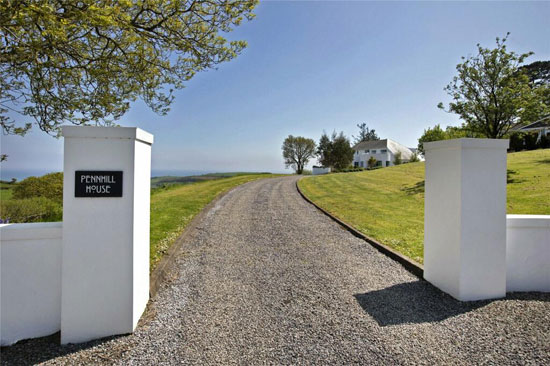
(389, 144)
(542, 123)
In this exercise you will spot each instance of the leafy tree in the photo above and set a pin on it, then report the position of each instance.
(539, 77)
(451, 132)
(397, 159)
(342, 153)
(324, 150)
(365, 134)
(538, 72)
(371, 163)
(335, 152)
(49, 186)
(431, 134)
(489, 93)
(414, 158)
(84, 61)
(297, 151)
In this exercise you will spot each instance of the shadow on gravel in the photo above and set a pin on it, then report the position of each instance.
(37, 350)
(421, 302)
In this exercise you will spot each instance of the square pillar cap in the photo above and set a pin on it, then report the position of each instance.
(467, 143)
(95, 132)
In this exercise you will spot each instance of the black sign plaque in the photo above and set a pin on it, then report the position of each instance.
(98, 183)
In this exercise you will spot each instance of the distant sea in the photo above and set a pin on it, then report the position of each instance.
(8, 174)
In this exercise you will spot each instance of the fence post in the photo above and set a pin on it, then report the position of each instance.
(105, 248)
(465, 217)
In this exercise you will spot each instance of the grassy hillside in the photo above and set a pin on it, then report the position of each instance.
(173, 207)
(164, 181)
(388, 204)
(6, 190)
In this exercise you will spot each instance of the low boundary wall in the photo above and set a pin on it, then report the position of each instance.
(528, 253)
(30, 299)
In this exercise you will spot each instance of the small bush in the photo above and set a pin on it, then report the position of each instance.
(35, 209)
(48, 186)
(306, 172)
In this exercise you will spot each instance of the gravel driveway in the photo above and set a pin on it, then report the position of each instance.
(266, 278)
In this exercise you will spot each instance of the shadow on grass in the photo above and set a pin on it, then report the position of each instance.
(543, 161)
(414, 189)
(38, 350)
(421, 302)
(509, 177)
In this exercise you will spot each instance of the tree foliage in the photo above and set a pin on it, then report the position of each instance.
(365, 134)
(297, 151)
(371, 163)
(436, 133)
(398, 159)
(490, 93)
(49, 186)
(84, 61)
(335, 152)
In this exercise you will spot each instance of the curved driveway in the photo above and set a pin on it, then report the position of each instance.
(266, 278)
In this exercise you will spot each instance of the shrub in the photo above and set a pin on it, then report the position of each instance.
(48, 186)
(397, 160)
(306, 172)
(35, 209)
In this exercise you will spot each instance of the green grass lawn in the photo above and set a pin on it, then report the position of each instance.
(174, 207)
(6, 191)
(388, 204)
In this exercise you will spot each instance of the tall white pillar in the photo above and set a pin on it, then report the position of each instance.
(465, 217)
(105, 250)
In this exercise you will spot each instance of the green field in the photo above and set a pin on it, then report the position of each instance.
(388, 204)
(173, 207)
(164, 181)
(6, 190)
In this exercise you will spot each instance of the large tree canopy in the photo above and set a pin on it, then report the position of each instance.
(84, 61)
(297, 151)
(335, 152)
(365, 134)
(491, 94)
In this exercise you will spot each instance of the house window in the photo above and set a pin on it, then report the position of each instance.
(378, 163)
(373, 151)
(362, 166)
(387, 163)
(383, 151)
(355, 164)
(366, 151)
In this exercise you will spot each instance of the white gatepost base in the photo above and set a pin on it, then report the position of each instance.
(465, 217)
(105, 245)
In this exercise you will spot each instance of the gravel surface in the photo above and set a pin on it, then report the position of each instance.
(267, 279)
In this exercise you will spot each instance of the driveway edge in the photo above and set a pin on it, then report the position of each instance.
(414, 267)
(167, 262)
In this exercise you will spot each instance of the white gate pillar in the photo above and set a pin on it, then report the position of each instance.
(465, 217)
(105, 250)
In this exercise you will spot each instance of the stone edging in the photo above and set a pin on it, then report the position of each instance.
(166, 264)
(415, 268)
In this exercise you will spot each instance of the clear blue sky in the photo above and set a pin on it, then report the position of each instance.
(314, 66)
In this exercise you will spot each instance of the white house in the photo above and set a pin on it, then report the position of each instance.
(542, 127)
(383, 151)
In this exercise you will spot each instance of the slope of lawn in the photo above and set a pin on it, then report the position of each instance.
(388, 204)
(174, 207)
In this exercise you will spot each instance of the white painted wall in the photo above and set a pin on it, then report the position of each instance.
(528, 253)
(319, 171)
(465, 217)
(30, 298)
(105, 252)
